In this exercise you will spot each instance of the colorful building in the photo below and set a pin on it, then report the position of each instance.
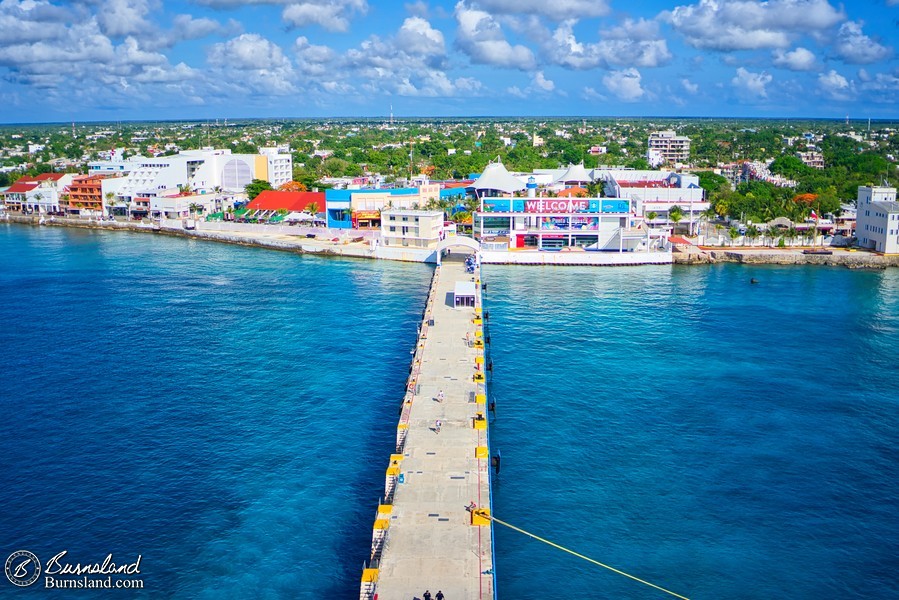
(362, 208)
(85, 195)
(543, 223)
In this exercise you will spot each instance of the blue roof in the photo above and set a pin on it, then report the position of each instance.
(346, 195)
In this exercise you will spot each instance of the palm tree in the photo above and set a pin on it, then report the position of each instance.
(675, 215)
(790, 235)
(733, 232)
(752, 232)
(312, 208)
(651, 216)
(195, 208)
(111, 201)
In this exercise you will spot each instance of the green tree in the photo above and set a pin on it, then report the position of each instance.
(752, 232)
(675, 215)
(256, 187)
(111, 202)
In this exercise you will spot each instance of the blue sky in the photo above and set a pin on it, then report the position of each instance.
(201, 59)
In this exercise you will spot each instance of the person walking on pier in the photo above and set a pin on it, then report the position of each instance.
(437, 426)
(427, 595)
(439, 595)
(440, 396)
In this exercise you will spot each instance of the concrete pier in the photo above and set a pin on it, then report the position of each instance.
(425, 536)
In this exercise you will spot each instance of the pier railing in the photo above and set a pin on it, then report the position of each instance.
(381, 529)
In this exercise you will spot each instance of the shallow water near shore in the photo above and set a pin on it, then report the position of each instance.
(227, 412)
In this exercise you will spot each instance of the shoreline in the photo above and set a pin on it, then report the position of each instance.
(840, 257)
(694, 255)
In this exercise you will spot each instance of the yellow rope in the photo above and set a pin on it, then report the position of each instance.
(588, 559)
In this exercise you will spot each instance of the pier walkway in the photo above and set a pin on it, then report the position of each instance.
(424, 536)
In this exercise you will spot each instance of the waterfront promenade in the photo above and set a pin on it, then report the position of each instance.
(424, 535)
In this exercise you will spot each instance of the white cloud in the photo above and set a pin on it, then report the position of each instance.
(633, 43)
(186, 27)
(516, 92)
(751, 24)
(481, 38)
(856, 48)
(124, 17)
(590, 94)
(689, 86)
(624, 84)
(556, 11)
(416, 36)
(835, 86)
(411, 63)
(329, 15)
(751, 86)
(313, 60)
(540, 82)
(799, 59)
(255, 61)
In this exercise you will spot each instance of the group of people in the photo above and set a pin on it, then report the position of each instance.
(470, 263)
(427, 596)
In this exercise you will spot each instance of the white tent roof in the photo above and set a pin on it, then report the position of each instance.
(575, 173)
(496, 177)
(299, 216)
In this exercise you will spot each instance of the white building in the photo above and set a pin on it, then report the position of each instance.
(877, 225)
(657, 192)
(667, 147)
(411, 228)
(280, 164)
(209, 171)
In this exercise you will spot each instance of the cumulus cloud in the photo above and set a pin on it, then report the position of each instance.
(751, 86)
(313, 60)
(125, 17)
(186, 27)
(835, 86)
(416, 36)
(689, 86)
(330, 15)
(854, 47)
(410, 63)
(799, 59)
(481, 38)
(624, 84)
(633, 43)
(558, 10)
(540, 82)
(751, 24)
(255, 61)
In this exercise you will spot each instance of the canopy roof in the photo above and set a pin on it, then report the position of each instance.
(496, 177)
(575, 173)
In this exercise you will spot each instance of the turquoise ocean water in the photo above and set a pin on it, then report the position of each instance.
(227, 412)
